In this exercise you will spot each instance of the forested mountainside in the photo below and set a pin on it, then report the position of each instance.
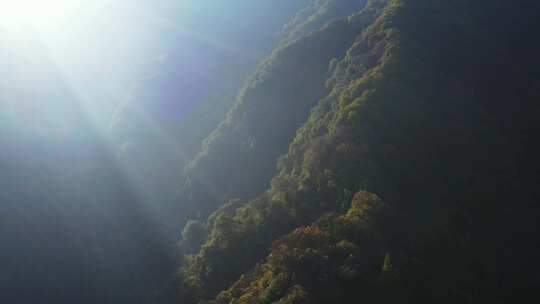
(411, 177)
(273, 104)
(316, 15)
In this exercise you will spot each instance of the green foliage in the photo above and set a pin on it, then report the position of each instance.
(193, 236)
(238, 240)
(408, 118)
(315, 16)
(313, 262)
(273, 104)
(387, 266)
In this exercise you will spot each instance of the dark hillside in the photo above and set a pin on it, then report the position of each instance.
(272, 105)
(433, 108)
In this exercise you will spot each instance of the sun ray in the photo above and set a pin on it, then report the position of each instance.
(24, 14)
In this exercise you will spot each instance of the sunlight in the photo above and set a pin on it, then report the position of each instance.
(36, 14)
(73, 49)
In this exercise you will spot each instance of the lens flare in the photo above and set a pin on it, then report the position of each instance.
(37, 14)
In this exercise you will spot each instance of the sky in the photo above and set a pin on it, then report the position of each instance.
(101, 49)
(68, 66)
(97, 48)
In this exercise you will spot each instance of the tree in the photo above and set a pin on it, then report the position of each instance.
(194, 235)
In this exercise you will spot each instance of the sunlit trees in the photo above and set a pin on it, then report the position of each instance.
(315, 261)
(409, 120)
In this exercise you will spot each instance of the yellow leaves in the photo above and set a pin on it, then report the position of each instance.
(355, 107)
(296, 295)
(362, 205)
(308, 256)
(387, 266)
(348, 246)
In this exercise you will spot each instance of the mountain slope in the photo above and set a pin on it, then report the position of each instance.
(269, 109)
(433, 108)
(202, 57)
(232, 230)
(315, 16)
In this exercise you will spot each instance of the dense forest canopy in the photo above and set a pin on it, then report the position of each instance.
(291, 152)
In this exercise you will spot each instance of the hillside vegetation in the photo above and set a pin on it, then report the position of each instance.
(429, 106)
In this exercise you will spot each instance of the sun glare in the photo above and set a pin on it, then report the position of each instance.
(36, 14)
